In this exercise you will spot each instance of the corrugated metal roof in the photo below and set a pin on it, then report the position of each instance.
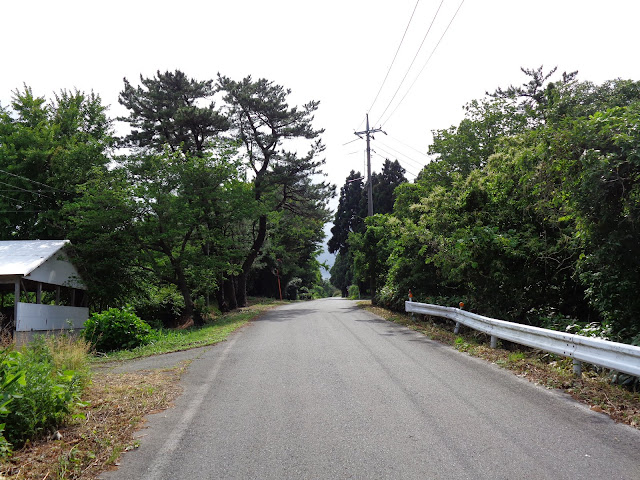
(21, 257)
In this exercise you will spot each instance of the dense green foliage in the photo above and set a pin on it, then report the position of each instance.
(12, 378)
(116, 329)
(207, 202)
(46, 151)
(529, 211)
(282, 189)
(349, 224)
(42, 383)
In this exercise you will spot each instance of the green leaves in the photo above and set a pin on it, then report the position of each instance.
(10, 377)
(183, 206)
(40, 388)
(46, 151)
(116, 329)
(166, 111)
(530, 210)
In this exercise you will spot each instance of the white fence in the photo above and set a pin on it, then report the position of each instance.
(616, 356)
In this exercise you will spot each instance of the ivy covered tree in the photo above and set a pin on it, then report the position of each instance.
(350, 215)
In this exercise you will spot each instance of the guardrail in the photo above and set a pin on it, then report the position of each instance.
(616, 356)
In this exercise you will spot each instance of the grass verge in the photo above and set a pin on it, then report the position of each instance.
(93, 441)
(552, 371)
(174, 340)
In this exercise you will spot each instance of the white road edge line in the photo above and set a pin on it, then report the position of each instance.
(172, 442)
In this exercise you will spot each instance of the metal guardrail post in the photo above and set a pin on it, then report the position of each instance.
(494, 341)
(456, 330)
(411, 300)
(577, 368)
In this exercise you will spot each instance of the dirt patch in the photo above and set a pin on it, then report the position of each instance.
(92, 443)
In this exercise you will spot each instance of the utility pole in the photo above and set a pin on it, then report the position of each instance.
(368, 133)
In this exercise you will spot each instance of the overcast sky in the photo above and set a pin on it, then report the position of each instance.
(337, 52)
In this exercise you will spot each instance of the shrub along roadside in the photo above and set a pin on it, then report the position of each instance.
(43, 383)
(116, 329)
(213, 331)
(595, 388)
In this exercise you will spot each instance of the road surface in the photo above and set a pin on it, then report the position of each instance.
(325, 390)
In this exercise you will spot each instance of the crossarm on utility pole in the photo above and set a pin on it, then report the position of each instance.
(368, 133)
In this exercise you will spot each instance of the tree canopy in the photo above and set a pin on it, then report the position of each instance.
(200, 203)
(528, 211)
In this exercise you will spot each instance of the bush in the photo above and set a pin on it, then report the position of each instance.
(161, 307)
(354, 292)
(116, 329)
(11, 378)
(54, 371)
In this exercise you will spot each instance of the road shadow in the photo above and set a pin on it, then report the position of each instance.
(286, 315)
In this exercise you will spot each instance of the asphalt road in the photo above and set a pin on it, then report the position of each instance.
(324, 390)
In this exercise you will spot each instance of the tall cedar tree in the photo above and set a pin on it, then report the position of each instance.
(384, 186)
(352, 210)
(349, 216)
(263, 120)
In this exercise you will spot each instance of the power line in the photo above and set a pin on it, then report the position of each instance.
(22, 211)
(33, 181)
(401, 162)
(408, 146)
(415, 162)
(394, 57)
(385, 158)
(424, 66)
(412, 61)
(15, 199)
(350, 141)
(389, 155)
(28, 191)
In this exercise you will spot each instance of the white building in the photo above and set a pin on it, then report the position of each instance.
(48, 293)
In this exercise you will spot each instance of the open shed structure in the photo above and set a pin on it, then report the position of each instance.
(48, 293)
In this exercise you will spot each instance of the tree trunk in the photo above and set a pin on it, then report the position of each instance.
(230, 294)
(220, 297)
(241, 291)
(372, 286)
(181, 283)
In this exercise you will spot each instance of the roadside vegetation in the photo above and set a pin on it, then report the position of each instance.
(68, 417)
(527, 211)
(603, 391)
(215, 193)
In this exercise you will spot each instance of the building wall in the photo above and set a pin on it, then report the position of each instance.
(57, 271)
(33, 316)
